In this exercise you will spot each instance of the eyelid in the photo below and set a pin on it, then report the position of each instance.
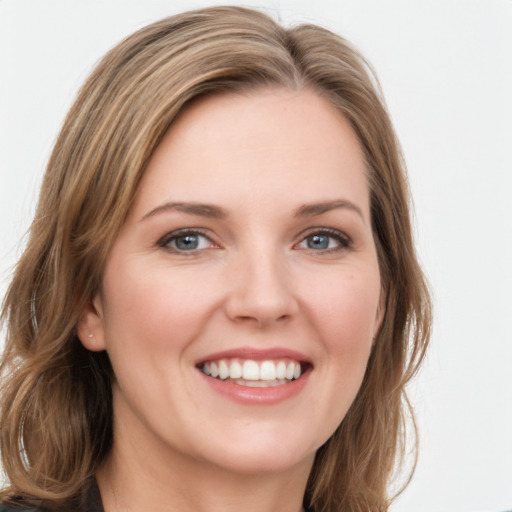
(345, 242)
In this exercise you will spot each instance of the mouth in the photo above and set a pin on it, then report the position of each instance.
(255, 373)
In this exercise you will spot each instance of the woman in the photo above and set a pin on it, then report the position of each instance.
(219, 305)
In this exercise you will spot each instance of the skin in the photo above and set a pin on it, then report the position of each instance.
(257, 281)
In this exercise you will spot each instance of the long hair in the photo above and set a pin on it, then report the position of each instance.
(56, 401)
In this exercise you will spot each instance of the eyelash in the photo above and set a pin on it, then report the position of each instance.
(343, 241)
(167, 239)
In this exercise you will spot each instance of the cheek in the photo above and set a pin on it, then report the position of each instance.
(342, 311)
(154, 305)
(346, 308)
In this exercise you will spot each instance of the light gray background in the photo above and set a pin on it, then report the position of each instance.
(446, 70)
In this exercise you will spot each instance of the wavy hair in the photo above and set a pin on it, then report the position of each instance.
(56, 400)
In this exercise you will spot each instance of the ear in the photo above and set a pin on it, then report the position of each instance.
(90, 328)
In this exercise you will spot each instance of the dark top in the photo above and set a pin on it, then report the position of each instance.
(92, 504)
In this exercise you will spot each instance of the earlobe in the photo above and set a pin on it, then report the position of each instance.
(90, 329)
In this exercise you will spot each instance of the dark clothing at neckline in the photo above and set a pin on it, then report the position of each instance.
(92, 503)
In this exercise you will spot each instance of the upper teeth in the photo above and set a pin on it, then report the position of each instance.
(249, 369)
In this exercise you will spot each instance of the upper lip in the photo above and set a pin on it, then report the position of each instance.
(257, 354)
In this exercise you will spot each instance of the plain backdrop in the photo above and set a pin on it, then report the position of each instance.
(446, 70)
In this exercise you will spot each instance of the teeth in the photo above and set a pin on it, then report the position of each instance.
(268, 370)
(235, 370)
(250, 370)
(290, 371)
(254, 373)
(262, 383)
(223, 370)
(281, 370)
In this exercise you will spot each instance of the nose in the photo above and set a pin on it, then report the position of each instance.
(261, 292)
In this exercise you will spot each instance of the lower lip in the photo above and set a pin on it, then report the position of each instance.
(258, 396)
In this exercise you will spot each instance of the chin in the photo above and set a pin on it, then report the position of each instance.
(264, 454)
(250, 464)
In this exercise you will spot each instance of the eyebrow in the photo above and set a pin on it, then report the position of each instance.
(216, 212)
(203, 210)
(314, 209)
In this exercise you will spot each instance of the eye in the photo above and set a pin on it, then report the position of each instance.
(185, 241)
(325, 241)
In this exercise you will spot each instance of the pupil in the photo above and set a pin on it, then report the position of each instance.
(318, 242)
(187, 242)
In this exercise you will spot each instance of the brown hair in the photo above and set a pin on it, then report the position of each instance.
(56, 404)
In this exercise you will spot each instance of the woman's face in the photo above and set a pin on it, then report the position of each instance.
(242, 295)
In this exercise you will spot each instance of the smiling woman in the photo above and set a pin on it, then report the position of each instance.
(219, 305)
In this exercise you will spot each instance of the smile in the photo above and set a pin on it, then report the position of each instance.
(251, 373)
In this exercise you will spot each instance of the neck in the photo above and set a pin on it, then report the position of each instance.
(139, 482)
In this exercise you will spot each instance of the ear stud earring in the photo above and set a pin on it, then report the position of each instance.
(90, 335)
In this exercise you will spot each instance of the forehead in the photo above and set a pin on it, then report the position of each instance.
(252, 145)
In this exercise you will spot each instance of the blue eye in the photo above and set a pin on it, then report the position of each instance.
(185, 241)
(325, 241)
(318, 242)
